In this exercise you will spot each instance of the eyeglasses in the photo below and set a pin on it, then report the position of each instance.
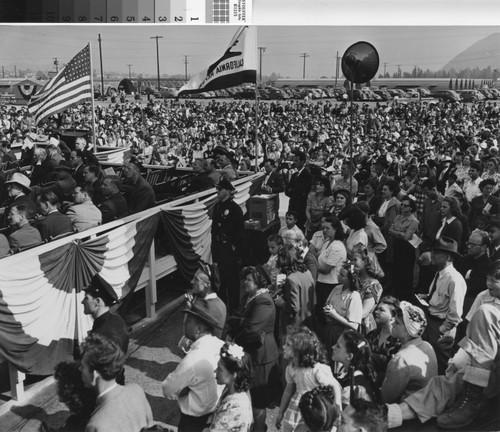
(473, 244)
(405, 205)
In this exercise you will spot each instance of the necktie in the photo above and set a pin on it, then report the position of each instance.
(433, 286)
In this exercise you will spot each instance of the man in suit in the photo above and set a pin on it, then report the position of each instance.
(493, 229)
(24, 235)
(54, 223)
(273, 182)
(83, 214)
(118, 408)
(299, 187)
(115, 206)
(91, 177)
(138, 192)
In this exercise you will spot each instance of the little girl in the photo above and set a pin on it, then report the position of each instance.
(353, 352)
(274, 242)
(307, 370)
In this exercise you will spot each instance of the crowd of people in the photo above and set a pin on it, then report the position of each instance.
(378, 302)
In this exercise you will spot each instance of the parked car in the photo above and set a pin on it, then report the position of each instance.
(245, 94)
(384, 94)
(487, 94)
(448, 95)
(471, 95)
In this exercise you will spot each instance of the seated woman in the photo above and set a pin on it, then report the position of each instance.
(415, 363)
(234, 410)
(382, 343)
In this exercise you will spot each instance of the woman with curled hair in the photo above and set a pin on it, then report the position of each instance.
(330, 260)
(353, 352)
(384, 218)
(296, 299)
(485, 204)
(71, 391)
(318, 409)
(234, 410)
(403, 228)
(254, 331)
(382, 343)
(368, 272)
(453, 224)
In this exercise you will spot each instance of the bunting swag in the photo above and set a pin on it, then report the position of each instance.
(189, 230)
(41, 316)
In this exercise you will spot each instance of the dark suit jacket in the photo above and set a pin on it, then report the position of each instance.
(298, 188)
(275, 182)
(98, 198)
(139, 195)
(123, 409)
(453, 230)
(54, 224)
(256, 330)
(115, 207)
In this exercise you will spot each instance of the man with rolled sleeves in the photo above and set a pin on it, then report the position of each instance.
(227, 230)
(446, 299)
(99, 297)
(193, 382)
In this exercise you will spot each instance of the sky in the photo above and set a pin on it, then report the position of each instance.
(35, 46)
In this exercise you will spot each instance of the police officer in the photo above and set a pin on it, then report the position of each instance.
(99, 296)
(227, 230)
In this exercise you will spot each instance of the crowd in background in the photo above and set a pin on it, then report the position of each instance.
(378, 302)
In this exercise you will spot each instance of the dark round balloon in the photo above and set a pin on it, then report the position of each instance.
(360, 62)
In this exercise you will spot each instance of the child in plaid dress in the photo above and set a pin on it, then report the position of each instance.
(306, 371)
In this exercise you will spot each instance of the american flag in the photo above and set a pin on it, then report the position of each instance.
(71, 85)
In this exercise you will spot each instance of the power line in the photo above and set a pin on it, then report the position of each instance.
(261, 51)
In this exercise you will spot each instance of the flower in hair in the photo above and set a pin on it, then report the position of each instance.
(235, 351)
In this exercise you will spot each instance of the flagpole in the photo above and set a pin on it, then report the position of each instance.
(92, 104)
(257, 120)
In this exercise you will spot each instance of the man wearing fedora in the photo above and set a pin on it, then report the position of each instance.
(18, 188)
(446, 300)
(99, 297)
(65, 184)
(193, 382)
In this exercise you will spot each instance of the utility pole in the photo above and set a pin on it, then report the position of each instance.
(261, 51)
(337, 64)
(15, 71)
(186, 62)
(129, 73)
(3, 72)
(415, 71)
(399, 71)
(304, 56)
(102, 73)
(157, 58)
(56, 64)
(385, 64)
